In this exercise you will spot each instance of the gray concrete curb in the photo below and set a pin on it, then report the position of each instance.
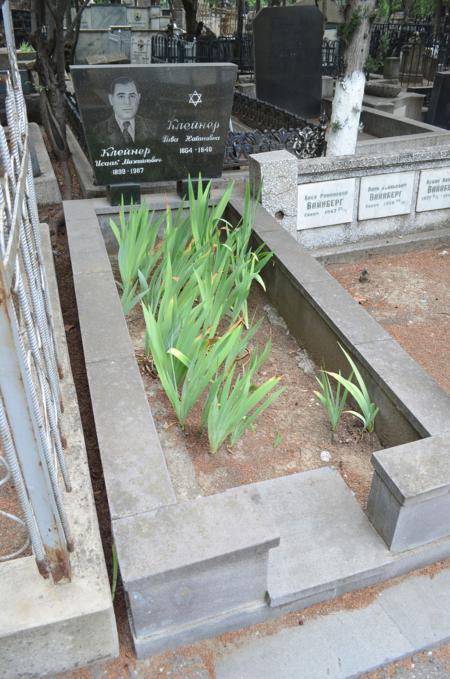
(46, 628)
(403, 620)
(46, 185)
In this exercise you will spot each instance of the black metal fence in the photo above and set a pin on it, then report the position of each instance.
(420, 50)
(390, 37)
(175, 50)
(332, 63)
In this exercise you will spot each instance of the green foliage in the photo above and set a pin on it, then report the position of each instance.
(333, 401)
(193, 286)
(25, 47)
(138, 251)
(367, 410)
(232, 405)
(373, 64)
(346, 30)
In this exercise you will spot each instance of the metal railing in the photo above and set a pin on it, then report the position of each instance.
(30, 396)
(420, 50)
(273, 128)
(174, 50)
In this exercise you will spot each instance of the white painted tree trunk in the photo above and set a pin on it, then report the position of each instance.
(348, 96)
(344, 125)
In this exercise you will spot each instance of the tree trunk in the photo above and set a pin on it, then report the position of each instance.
(190, 10)
(347, 102)
(437, 19)
(408, 9)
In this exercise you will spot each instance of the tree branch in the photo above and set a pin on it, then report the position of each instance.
(76, 18)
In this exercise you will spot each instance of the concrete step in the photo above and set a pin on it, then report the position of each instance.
(403, 620)
(327, 544)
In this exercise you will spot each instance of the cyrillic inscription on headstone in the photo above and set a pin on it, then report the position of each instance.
(325, 203)
(434, 190)
(155, 122)
(385, 195)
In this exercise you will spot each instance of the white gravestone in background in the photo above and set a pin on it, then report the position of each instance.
(386, 195)
(325, 203)
(434, 190)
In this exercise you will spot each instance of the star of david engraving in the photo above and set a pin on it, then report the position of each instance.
(195, 98)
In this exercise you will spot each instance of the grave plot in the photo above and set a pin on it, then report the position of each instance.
(195, 567)
(293, 435)
(408, 294)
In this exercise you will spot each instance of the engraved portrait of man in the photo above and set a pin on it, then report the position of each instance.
(124, 127)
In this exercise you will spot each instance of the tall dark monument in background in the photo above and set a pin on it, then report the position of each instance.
(439, 110)
(288, 58)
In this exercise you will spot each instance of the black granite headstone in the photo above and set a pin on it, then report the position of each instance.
(439, 111)
(288, 58)
(155, 122)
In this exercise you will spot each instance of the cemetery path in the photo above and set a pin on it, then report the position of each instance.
(409, 294)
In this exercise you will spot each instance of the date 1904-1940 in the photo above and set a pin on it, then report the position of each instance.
(196, 149)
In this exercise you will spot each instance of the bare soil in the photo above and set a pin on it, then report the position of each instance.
(13, 536)
(409, 295)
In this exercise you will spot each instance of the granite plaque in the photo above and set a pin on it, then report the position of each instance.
(155, 122)
(439, 110)
(434, 190)
(288, 58)
(386, 195)
(325, 203)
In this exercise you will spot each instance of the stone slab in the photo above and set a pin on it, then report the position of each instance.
(427, 405)
(46, 184)
(273, 179)
(420, 608)
(409, 501)
(153, 644)
(352, 252)
(288, 53)
(101, 318)
(192, 532)
(434, 190)
(173, 119)
(325, 203)
(351, 323)
(439, 109)
(133, 462)
(162, 606)
(404, 619)
(327, 544)
(385, 195)
(418, 471)
(88, 253)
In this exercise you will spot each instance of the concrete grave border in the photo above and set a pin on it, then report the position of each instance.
(46, 185)
(47, 628)
(177, 589)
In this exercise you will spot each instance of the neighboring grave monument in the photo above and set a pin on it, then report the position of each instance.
(439, 111)
(288, 58)
(155, 122)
